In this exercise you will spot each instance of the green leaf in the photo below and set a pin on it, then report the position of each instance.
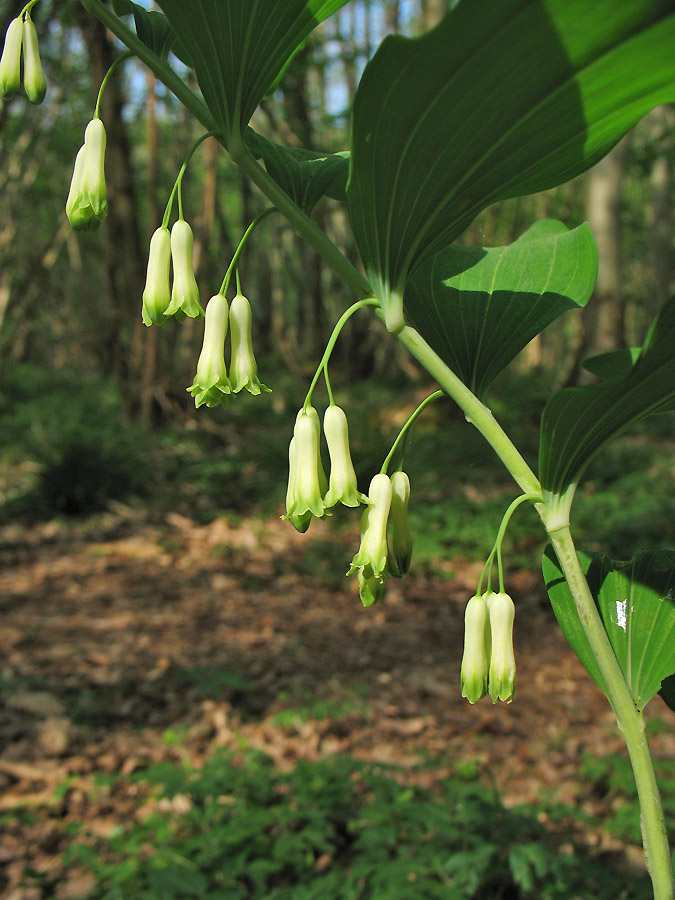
(577, 422)
(490, 105)
(305, 175)
(478, 308)
(636, 601)
(615, 364)
(240, 47)
(152, 27)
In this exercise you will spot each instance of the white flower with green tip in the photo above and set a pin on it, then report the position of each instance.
(502, 675)
(342, 487)
(211, 385)
(34, 81)
(243, 367)
(87, 203)
(157, 292)
(184, 292)
(371, 558)
(400, 537)
(10, 61)
(304, 494)
(475, 665)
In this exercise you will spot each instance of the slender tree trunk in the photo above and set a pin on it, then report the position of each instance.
(662, 209)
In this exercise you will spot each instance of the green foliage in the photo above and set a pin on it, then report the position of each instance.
(487, 107)
(335, 829)
(462, 300)
(72, 427)
(637, 606)
(612, 781)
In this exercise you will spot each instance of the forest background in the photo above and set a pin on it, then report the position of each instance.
(95, 418)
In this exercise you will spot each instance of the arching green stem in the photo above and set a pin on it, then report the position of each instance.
(242, 243)
(339, 325)
(179, 180)
(497, 548)
(123, 57)
(403, 432)
(25, 12)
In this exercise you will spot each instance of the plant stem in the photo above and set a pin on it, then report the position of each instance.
(628, 717)
(161, 68)
(476, 412)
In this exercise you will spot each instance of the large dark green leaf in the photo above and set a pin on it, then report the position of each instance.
(479, 308)
(239, 48)
(305, 175)
(578, 422)
(636, 601)
(502, 98)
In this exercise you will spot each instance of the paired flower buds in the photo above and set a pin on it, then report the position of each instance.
(159, 299)
(87, 203)
(22, 34)
(488, 662)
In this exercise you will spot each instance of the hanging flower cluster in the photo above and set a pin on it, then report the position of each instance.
(22, 35)
(488, 662)
(87, 203)
(160, 299)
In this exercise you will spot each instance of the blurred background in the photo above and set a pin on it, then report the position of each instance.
(155, 609)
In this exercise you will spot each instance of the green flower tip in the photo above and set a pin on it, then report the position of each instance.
(342, 487)
(87, 204)
(211, 385)
(10, 61)
(184, 293)
(474, 671)
(502, 674)
(371, 590)
(34, 81)
(157, 292)
(305, 472)
(243, 367)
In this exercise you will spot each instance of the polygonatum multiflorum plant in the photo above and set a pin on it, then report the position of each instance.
(503, 98)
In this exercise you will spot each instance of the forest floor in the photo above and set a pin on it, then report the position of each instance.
(128, 640)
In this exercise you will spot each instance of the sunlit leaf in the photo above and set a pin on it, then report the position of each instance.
(577, 422)
(478, 308)
(305, 175)
(636, 601)
(239, 48)
(500, 99)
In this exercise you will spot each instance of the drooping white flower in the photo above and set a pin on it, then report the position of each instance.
(502, 675)
(243, 367)
(10, 61)
(34, 81)
(371, 558)
(475, 659)
(342, 486)
(304, 494)
(400, 537)
(157, 293)
(211, 384)
(184, 292)
(87, 203)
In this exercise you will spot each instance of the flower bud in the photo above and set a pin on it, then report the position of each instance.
(243, 367)
(211, 384)
(502, 676)
(304, 494)
(474, 671)
(184, 293)
(10, 62)
(33, 77)
(157, 293)
(300, 522)
(342, 487)
(401, 540)
(371, 557)
(87, 204)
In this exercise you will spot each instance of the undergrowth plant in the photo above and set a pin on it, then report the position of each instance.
(502, 98)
